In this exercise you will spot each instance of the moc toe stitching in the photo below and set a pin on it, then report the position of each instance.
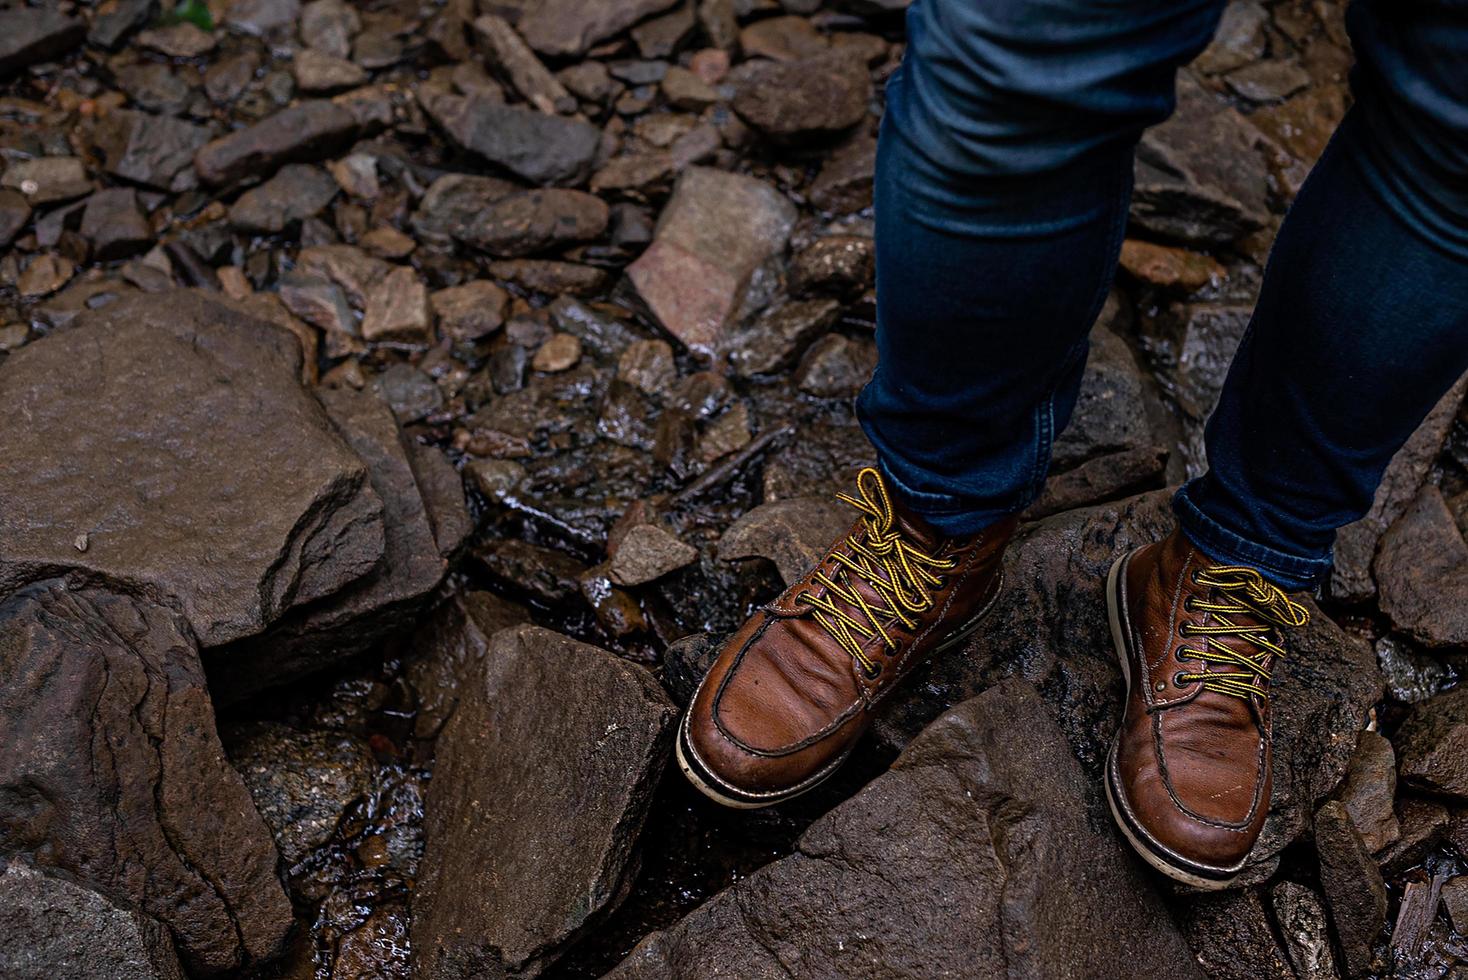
(1137, 826)
(816, 737)
(1238, 827)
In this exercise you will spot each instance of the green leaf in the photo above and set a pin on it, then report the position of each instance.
(196, 12)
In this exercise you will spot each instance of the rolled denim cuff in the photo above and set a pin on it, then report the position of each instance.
(946, 514)
(1293, 573)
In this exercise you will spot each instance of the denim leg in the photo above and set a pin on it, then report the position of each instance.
(1362, 319)
(1003, 178)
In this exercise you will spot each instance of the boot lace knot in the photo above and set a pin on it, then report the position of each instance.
(900, 574)
(1249, 610)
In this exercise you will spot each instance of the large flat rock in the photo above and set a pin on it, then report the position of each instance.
(164, 445)
(387, 599)
(972, 857)
(543, 778)
(113, 774)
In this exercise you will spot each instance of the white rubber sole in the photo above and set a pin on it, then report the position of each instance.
(718, 796)
(1118, 641)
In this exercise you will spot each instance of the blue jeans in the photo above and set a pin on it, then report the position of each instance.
(1004, 174)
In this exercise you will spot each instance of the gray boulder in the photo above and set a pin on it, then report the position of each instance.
(970, 858)
(171, 451)
(544, 775)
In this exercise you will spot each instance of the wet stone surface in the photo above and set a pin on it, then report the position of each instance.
(348, 345)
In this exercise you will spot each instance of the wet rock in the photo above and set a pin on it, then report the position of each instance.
(454, 203)
(1300, 919)
(329, 26)
(1353, 887)
(304, 132)
(792, 533)
(805, 100)
(154, 150)
(470, 312)
(111, 25)
(685, 663)
(47, 180)
(839, 265)
(1355, 544)
(1168, 268)
(506, 53)
(388, 599)
(15, 211)
(560, 352)
(317, 72)
(1422, 573)
(296, 192)
(569, 27)
(154, 87)
(540, 148)
(1432, 745)
(550, 277)
(53, 929)
(844, 185)
(1210, 334)
(1296, 131)
(1369, 789)
(637, 177)
(1109, 477)
(290, 513)
(1114, 408)
(448, 653)
(685, 90)
(397, 309)
(537, 221)
(32, 35)
(301, 782)
(1240, 38)
(1455, 900)
(969, 857)
(647, 552)
(1424, 824)
(835, 366)
(45, 274)
(648, 366)
(545, 574)
(1199, 177)
(259, 17)
(111, 755)
(114, 225)
(180, 40)
(1411, 675)
(712, 236)
(779, 335)
(1268, 81)
(1231, 938)
(1054, 593)
(555, 748)
(411, 394)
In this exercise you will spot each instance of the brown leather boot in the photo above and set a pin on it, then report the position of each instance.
(795, 687)
(1188, 774)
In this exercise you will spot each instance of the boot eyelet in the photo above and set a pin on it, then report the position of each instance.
(1178, 681)
(1185, 629)
(1188, 604)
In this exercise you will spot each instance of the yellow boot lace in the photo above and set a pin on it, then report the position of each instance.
(898, 571)
(1240, 591)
